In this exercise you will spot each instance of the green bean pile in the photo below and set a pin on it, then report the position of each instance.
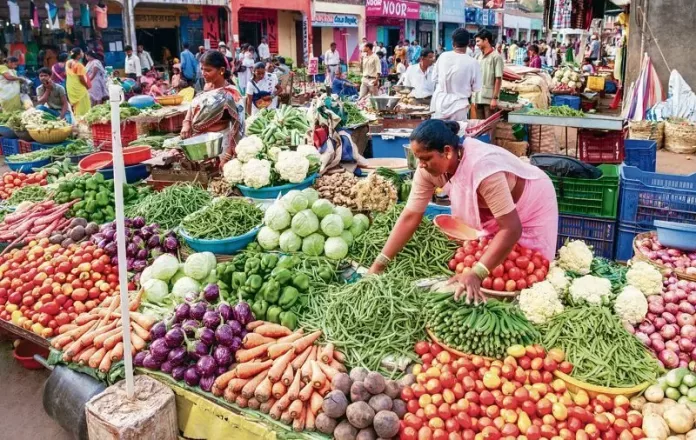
(424, 256)
(32, 156)
(601, 350)
(169, 206)
(557, 110)
(353, 114)
(373, 318)
(223, 218)
(31, 193)
(487, 329)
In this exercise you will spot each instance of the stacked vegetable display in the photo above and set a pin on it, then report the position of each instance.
(59, 169)
(101, 114)
(280, 127)
(168, 207)
(76, 231)
(222, 218)
(667, 406)
(567, 79)
(32, 156)
(12, 181)
(651, 249)
(34, 221)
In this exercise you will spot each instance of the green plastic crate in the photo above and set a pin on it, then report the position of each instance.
(589, 197)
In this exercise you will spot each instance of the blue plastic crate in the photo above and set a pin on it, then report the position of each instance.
(434, 210)
(569, 100)
(624, 241)
(646, 197)
(388, 145)
(596, 232)
(641, 154)
(35, 146)
(10, 147)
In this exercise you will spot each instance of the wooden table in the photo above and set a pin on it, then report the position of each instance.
(24, 334)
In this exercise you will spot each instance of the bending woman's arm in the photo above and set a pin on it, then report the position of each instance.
(404, 229)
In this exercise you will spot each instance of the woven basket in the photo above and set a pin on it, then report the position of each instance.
(53, 136)
(680, 137)
(544, 143)
(647, 130)
(639, 256)
(515, 147)
(169, 100)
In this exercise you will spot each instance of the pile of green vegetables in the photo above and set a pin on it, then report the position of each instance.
(607, 269)
(73, 148)
(283, 126)
(30, 193)
(32, 156)
(12, 120)
(601, 350)
(353, 114)
(101, 114)
(6, 116)
(423, 255)
(169, 206)
(487, 329)
(154, 142)
(223, 218)
(560, 110)
(403, 186)
(58, 170)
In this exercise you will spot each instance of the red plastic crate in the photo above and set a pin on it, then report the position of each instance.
(597, 146)
(24, 147)
(101, 134)
(170, 124)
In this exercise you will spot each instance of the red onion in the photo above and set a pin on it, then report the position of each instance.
(629, 328)
(647, 327)
(685, 319)
(682, 284)
(655, 308)
(669, 358)
(670, 297)
(669, 331)
(669, 317)
(672, 346)
(686, 345)
(691, 298)
(683, 364)
(692, 285)
(672, 308)
(688, 332)
(658, 345)
(642, 337)
(683, 357)
(691, 271)
(681, 294)
(693, 354)
(686, 307)
(659, 322)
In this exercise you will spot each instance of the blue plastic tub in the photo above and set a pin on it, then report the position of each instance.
(10, 147)
(569, 100)
(434, 210)
(272, 192)
(134, 173)
(624, 241)
(7, 132)
(596, 232)
(676, 235)
(26, 167)
(388, 145)
(227, 246)
(641, 154)
(35, 146)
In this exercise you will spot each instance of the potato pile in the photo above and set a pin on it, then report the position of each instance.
(362, 406)
(337, 188)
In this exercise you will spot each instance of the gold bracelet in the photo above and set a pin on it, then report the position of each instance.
(383, 260)
(480, 270)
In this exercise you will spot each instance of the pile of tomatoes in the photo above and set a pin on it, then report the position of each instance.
(44, 286)
(522, 267)
(12, 181)
(471, 398)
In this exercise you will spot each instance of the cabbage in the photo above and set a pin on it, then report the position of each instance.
(313, 245)
(178, 275)
(322, 208)
(294, 201)
(156, 291)
(332, 225)
(185, 285)
(311, 194)
(268, 238)
(146, 275)
(165, 266)
(276, 217)
(347, 236)
(305, 223)
(198, 266)
(360, 225)
(212, 261)
(335, 248)
(345, 214)
(290, 242)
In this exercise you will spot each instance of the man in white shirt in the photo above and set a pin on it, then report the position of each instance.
(145, 59)
(264, 51)
(332, 61)
(381, 48)
(133, 69)
(371, 70)
(457, 76)
(420, 76)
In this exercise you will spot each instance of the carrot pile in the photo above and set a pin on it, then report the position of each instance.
(37, 221)
(96, 337)
(281, 373)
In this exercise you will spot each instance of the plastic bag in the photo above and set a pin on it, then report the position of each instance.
(564, 166)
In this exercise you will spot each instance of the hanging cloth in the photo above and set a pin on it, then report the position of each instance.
(52, 13)
(84, 16)
(14, 11)
(69, 15)
(34, 15)
(100, 17)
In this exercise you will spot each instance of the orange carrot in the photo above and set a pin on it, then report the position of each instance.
(326, 353)
(328, 371)
(61, 341)
(296, 408)
(263, 392)
(279, 390)
(340, 357)
(66, 328)
(222, 380)
(315, 402)
(297, 334)
(252, 340)
(285, 417)
(229, 395)
(272, 330)
(111, 341)
(298, 424)
(97, 357)
(306, 341)
(143, 321)
(134, 304)
(309, 421)
(81, 330)
(237, 384)
(85, 318)
(241, 401)
(338, 366)
(137, 342)
(294, 388)
(325, 389)
(253, 325)
(140, 331)
(306, 392)
(280, 364)
(88, 338)
(250, 387)
(99, 339)
(84, 355)
(318, 377)
(280, 406)
(267, 405)
(287, 376)
(105, 364)
(277, 350)
(252, 353)
(299, 361)
(253, 403)
(117, 352)
(73, 349)
(249, 369)
(307, 367)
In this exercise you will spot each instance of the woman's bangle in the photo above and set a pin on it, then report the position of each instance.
(383, 260)
(480, 271)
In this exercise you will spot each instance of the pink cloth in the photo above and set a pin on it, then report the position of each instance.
(537, 207)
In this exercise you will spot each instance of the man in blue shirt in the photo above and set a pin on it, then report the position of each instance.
(415, 54)
(383, 63)
(189, 64)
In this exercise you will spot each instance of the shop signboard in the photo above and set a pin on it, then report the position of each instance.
(428, 12)
(155, 19)
(313, 66)
(493, 4)
(321, 19)
(485, 18)
(211, 26)
(479, 16)
(452, 11)
(392, 9)
(492, 18)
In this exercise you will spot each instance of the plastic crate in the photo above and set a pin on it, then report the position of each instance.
(641, 154)
(595, 232)
(597, 146)
(646, 197)
(388, 145)
(624, 240)
(596, 83)
(101, 134)
(569, 100)
(24, 147)
(171, 124)
(589, 197)
(10, 147)
(35, 146)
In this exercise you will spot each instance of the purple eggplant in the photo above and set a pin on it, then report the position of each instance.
(131, 250)
(153, 242)
(211, 319)
(179, 371)
(198, 349)
(129, 263)
(138, 241)
(109, 234)
(220, 371)
(243, 333)
(206, 365)
(190, 326)
(191, 376)
(138, 222)
(139, 265)
(142, 254)
(150, 362)
(222, 355)
(197, 311)
(158, 331)
(96, 238)
(181, 312)
(159, 349)
(236, 327)
(206, 335)
(166, 367)
(225, 311)
(236, 344)
(177, 356)
(171, 243)
(111, 249)
(174, 338)
(211, 293)
(242, 313)
(139, 358)
(207, 382)
(224, 335)
(114, 261)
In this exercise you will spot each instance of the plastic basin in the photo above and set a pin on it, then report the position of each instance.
(7, 132)
(676, 235)
(134, 173)
(96, 161)
(226, 246)
(26, 167)
(271, 192)
(24, 354)
(137, 154)
(454, 228)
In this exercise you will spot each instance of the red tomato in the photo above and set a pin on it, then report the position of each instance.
(487, 283)
(498, 284)
(521, 284)
(537, 260)
(421, 348)
(469, 249)
(514, 273)
(531, 279)
(539, 273)
(459, 257)
(522, 262)
(498, 271)
(530, 268)
(425, 433)
(513, 255)
(452, 264)
(510, 286)
(409, 434)
(508, 265)
(440, 434)
(469, 261)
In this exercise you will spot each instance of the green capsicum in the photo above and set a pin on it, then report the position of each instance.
(227, 273)
(288, 297)
(282, 275)
(77, 194)
(273, 314)
(102, 198)
(326, 274)
(254, 282)
(268, 262)
(238, 280)
(301, 281)
(259, 308)
(272, 291)
(287, 262)
(289, 320)
(252, 266)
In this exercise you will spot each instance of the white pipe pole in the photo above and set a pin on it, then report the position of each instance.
(119, 180)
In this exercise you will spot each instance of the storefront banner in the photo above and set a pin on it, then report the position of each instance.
(153, 19)
(452, 11)
(211, 26)
(485, 18)
(321, 19)
(470, 15)
(491, 18)
(392, 9)
(428, 12)
(493, 4)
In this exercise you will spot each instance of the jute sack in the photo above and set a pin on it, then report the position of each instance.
(680, 137)
(647, 130)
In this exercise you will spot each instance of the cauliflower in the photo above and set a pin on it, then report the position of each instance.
(257, 173)
(645, 277)
(590, 289)
(571, 84)
(292, 166)
(273, 153)
(308, 150)
(232, 172)
(576, 257)
(558, 279)
(248, 148)
(631, 305)
(540, 302)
